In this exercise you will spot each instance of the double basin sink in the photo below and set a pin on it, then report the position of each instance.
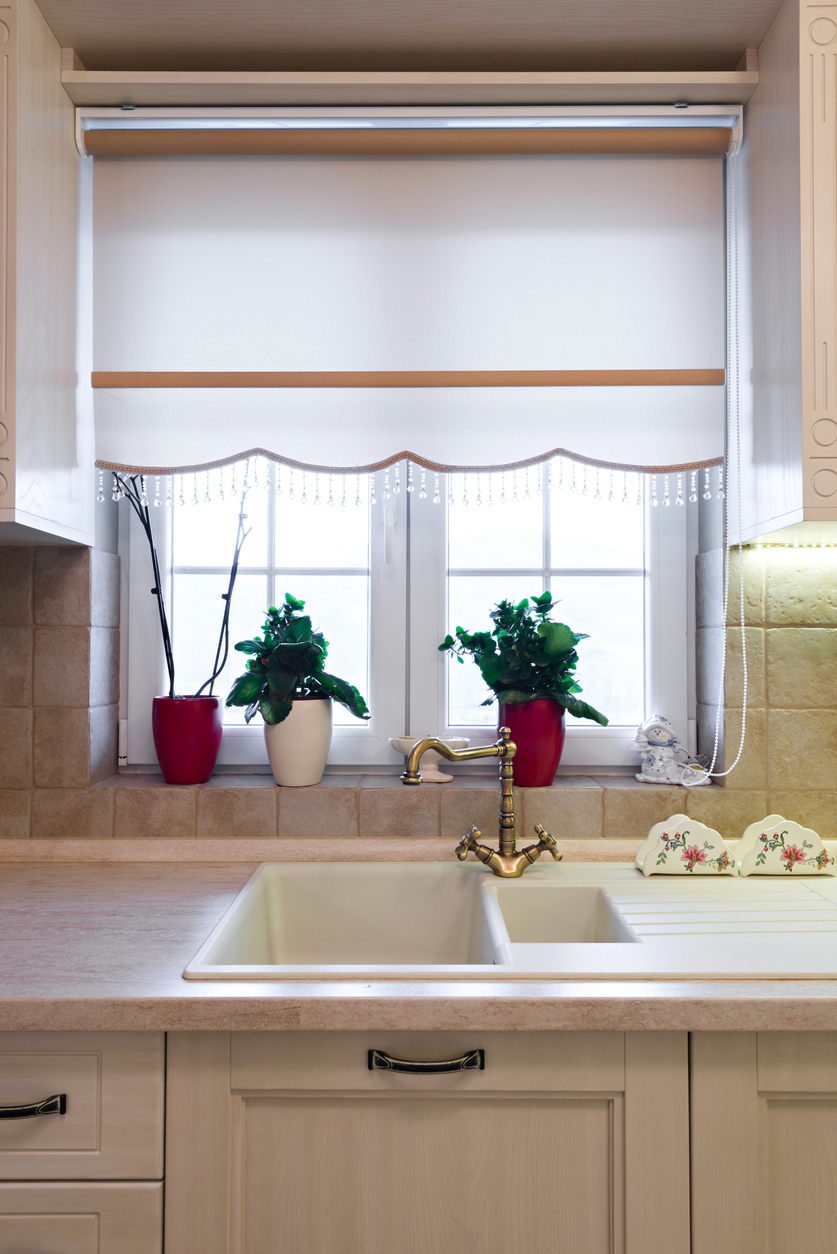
(455, 921)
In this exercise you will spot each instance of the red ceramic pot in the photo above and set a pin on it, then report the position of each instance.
(537, 728)
(187, 737)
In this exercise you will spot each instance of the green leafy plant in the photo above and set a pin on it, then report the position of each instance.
(526, 656)
(287, 661)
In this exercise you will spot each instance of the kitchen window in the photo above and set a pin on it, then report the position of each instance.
(386, 582)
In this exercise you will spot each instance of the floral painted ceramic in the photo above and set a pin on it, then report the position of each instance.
(778, 846)
(682, 846)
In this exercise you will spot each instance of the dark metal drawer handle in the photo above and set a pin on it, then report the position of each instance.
(56, 1105)
(474, 1060)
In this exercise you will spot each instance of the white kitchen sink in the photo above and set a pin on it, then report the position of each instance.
(455, 921)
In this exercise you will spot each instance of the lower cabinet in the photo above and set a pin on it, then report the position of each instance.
(81, 1142)
(764, 1142)
(81, 1218)
(564, 1142)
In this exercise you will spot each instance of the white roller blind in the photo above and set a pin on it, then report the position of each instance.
(409, 264)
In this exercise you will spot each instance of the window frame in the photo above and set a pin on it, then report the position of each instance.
(408, 583)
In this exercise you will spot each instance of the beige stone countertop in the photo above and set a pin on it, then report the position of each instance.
(102, 947)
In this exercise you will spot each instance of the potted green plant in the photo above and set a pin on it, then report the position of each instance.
(286, 682)
(528, 661)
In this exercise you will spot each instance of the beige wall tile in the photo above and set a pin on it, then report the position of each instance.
(104, 589)
(232, 813)
(16, 586)
(802, 749)
(632, 812)
(15, 748)
(812, 809)
(734, 677)
(60, 749)
(103, 723)
(61, 594)
(402, 811)
(460, 807)
(801, 587)
(754, 588)
(319, 811)
(78, 812)
(61, 669)
(802, 667)
(104, 666)
(726, 810)
(751, 772)
(706, 715)
(568, 813)
(154, 812)
(14, 814)
(709, 588)
(709, 644)
(15, 665)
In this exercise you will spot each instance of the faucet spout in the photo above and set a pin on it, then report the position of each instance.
(506, 861)
(504, 749)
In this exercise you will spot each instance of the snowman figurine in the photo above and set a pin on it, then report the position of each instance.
(662, 759)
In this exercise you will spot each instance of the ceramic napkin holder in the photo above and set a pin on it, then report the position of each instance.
(778, 846)
(682, 846)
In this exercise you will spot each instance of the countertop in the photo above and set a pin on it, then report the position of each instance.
(88, 947)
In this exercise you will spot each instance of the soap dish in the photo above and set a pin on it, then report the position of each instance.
(777, 846)
(682, 846)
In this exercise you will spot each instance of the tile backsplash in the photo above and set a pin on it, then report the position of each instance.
(59, 642)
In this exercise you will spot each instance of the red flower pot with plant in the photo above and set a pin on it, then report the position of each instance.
(529, 663)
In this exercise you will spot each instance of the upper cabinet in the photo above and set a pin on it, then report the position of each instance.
(46, 426)
(788, 272)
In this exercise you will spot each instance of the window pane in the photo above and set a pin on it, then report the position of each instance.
(611, 669)
(470, 601)
(587, 533)
(205, 536)
(339, 607)
(197, 610)
(504, 536)
(323, 535)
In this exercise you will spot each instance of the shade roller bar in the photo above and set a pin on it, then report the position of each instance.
(139, 141)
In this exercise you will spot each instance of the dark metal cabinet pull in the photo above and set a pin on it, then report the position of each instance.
(56, 1105)
(474, 1060)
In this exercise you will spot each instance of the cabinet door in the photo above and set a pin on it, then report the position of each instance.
(766, 1103)
(566, 1143)
(81, 1218)
(112, 1128)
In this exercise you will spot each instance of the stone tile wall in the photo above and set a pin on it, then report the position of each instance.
(59, 684)
(789, 763)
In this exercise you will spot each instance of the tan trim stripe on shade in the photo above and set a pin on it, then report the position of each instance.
(423, 142)
(404, 378)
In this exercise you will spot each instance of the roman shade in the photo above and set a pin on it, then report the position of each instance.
(342, 312)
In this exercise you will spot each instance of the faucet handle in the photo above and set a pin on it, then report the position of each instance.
(546, 842)
(468, 841)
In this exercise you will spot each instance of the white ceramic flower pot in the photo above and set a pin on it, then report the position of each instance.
(298, 747)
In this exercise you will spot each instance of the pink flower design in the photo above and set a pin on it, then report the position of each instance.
(792, 855)
(693, 856)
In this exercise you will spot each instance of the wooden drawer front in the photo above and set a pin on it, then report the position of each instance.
(113, 1125)
(568, 1062)
(81, 1218)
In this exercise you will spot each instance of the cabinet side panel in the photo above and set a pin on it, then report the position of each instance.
(197, 1142)
(8, 230)
(656, 1143)
(724, 1131)
(54, 453)
(770, 167)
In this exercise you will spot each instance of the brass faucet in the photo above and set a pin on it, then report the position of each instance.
(505, 862)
